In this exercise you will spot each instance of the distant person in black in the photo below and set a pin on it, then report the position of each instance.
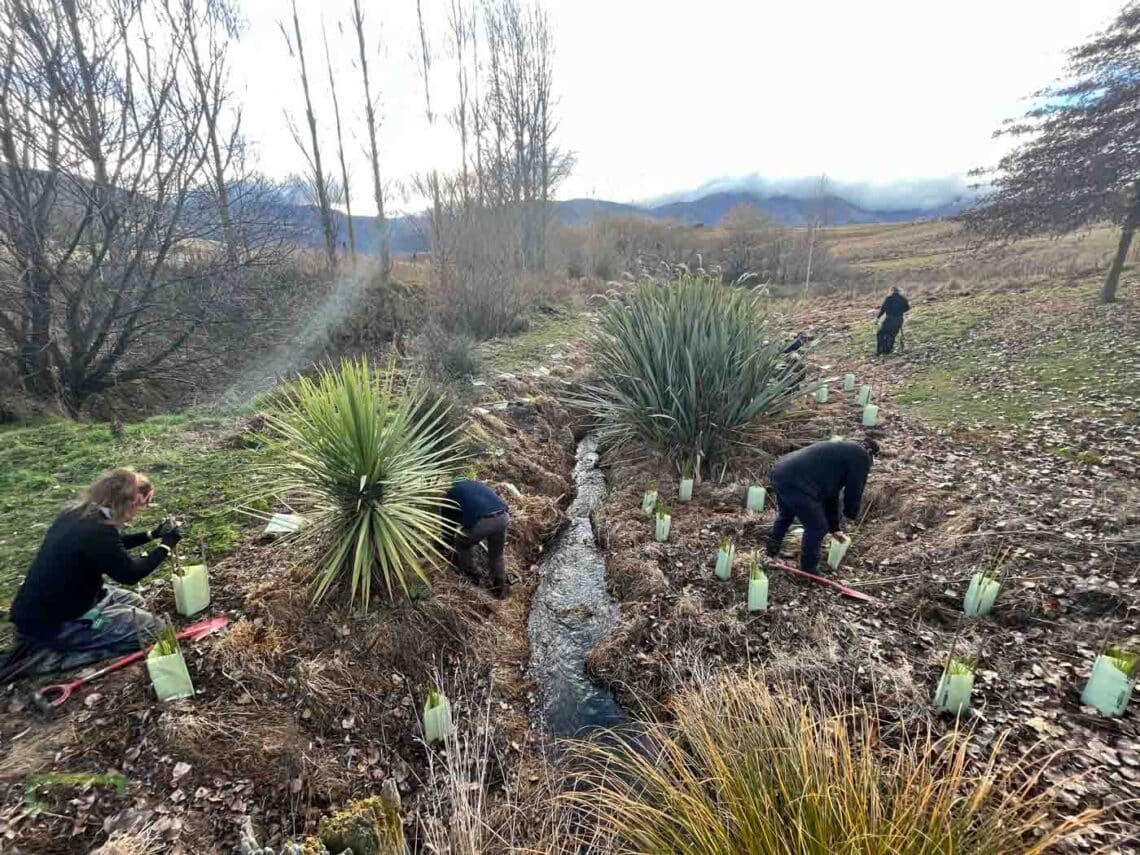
(479, 515)
(63, 604)
(807, 484)
(894, 307)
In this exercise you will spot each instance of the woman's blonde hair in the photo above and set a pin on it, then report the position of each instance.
(116, 491)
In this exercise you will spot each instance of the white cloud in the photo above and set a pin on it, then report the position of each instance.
(658, 96)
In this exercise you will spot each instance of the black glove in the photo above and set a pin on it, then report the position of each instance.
(162, 529)
(171, 538)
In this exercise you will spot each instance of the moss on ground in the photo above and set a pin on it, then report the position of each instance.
(198, 471)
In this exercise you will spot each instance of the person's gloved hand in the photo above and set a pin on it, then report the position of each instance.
(170, 538)
(163, 528)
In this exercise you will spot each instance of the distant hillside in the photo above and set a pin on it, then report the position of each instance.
(707, 210)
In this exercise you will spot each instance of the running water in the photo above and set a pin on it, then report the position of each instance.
(571, 611)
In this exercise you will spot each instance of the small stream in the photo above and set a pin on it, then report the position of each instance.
(571, 611)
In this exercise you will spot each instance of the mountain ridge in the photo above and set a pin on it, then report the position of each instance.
(708, 210)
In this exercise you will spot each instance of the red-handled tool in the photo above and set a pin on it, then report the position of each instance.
(65, 690)
(823, 580)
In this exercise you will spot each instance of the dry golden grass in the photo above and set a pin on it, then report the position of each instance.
(748, 769)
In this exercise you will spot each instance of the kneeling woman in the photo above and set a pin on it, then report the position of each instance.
(63, 604)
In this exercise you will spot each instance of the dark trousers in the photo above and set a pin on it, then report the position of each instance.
(110, 628)
(818, 519)
(887, 333)
(493, 530)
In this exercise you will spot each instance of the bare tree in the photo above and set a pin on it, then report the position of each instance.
(819, 216)
(373, 149)
(425, 58)
(524, 166)
(462, 26)
(346, 192)
(101, 158)
(312, 151)
(1079, 162)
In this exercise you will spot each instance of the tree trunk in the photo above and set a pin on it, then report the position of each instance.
(36, 354)
(1108, 292)
(370, 121)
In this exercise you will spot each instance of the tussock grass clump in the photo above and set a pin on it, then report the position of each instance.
(745, 769)
(685, 368)
(368, 468)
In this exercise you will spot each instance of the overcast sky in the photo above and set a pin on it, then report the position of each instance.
(661, 96)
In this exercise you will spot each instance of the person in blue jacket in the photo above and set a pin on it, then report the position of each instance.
(478, 514)
(808, 484)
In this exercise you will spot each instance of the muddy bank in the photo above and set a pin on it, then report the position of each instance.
(299, 708)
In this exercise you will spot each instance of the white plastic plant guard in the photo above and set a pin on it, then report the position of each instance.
(981, 594)
(649, 501)
(169, 676)
(849, 383)
(284, 524)
(954, 690)
(192, 589)
(864, 395)
(836, 551)
(870, 415)
(438, 725)
(724, 562)
(756, 497)
(1108, 688)
(758, 591)
(821, 393)
(685, 491)
(664, 521)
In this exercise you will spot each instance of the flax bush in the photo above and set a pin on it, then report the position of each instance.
(686, 368)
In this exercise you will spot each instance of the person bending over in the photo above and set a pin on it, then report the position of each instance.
(478, 514)
(63, 603)
(807, 484)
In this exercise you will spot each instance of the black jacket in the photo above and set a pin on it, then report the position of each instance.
(895, 306)
(821, 470)
(66, 576)
(475, 500)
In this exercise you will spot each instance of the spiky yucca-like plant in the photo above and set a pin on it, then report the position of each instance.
(684, 368)
(368, 468)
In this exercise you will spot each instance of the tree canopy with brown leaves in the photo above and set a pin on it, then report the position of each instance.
(1079, 163)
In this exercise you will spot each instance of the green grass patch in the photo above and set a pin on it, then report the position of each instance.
(1001, 358)
(547, 334)
(941, 395)
(197, 477)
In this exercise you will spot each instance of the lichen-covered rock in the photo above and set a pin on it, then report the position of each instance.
(371, 826)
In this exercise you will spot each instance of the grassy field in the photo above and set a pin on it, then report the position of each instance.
(198, 466)
(942, 252)
(1001, 358)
